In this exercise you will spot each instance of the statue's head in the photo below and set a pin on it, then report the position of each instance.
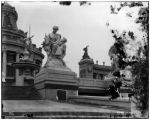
(55, 29)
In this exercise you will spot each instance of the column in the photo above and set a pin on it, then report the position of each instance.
(19, 79)
(2, 20)
(17, 57)
(4, 63)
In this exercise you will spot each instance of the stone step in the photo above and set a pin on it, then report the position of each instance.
(66, 115)
(119, 103)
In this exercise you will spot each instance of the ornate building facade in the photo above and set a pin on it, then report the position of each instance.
(13, 45)
(18, 74)
(92, 76)
(87, 68)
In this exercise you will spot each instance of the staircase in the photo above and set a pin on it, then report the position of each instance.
(66, 115)
(20, 93)
(104, 102)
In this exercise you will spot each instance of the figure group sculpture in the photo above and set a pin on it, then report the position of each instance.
(55, 48)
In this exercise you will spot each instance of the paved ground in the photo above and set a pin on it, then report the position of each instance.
(49, 106)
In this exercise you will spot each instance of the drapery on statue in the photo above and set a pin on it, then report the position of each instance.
(85, 56)
(55, 48)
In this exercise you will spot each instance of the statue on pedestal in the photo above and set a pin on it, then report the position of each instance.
(55, 48)
(55, 72)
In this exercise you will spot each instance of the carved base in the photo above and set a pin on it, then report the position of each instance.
(56, 64)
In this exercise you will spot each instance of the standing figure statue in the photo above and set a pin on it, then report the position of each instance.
(55, 47)
(28, 42)
(86, 56)
(27, 54)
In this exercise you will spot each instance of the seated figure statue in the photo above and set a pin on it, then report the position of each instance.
(55, 48)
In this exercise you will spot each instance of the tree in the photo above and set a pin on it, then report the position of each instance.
(140, 69)
(128, 41)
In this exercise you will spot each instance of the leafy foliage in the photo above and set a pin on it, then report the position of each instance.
(115, 10)
(65, 3)
(68, 3)
(138, 62)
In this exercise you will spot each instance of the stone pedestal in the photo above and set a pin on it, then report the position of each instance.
(51, 81)
(86, 68)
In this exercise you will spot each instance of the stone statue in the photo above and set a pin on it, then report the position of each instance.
(86, 56)
(28, 42)
(27, 51)
(55, 47)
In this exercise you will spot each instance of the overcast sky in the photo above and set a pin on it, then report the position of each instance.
(81, 25)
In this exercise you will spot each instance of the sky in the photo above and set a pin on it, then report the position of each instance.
(81, 25)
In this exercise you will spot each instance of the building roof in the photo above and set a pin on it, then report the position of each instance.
(102, 67)
(8, 7)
